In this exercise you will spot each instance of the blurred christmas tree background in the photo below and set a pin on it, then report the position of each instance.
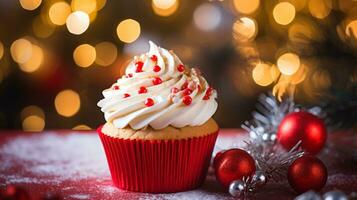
(57, 56)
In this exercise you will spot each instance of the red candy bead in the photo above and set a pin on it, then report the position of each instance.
(307, 173)
(174, 90)
(302, 126)
(181, 68)
(187, 100)
(198, 87)
(206, 97)
(209, 91)
(187, 91)
(153, 58)
(157, 81)
(130, 75)
(116, 87)
(142, 90)
(184, 86)
(157, 68)
(149, 102)
(233, 164)
(126, 95)
(139, 66)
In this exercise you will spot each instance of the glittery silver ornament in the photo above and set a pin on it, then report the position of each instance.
(335, 195)
(259, 178)
(309, 195)
(236, 188)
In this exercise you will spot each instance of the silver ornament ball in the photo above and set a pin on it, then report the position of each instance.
(335, 195)
(309, 195)
(236, 188)
(260, 178)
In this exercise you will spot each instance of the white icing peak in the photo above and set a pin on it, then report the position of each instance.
(158, 90)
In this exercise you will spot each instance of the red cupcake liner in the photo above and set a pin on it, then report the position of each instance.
(158, 166)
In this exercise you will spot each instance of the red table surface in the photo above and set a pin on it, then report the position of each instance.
(72, 164)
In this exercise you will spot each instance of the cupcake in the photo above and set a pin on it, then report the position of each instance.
(159, 132)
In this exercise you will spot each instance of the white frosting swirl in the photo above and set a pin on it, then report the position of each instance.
(145, 95)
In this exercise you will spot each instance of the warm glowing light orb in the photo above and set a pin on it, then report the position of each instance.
(34, 62)
(288, 63)
(128, 30)
(163, 4)
(41, 29)
(67, 103)
(320, 8)
(81, 127)
(30, 4)
(165, 7)
(84, 55)
(87, 6)
(207, 17)
(77, 22)
(262, 74)
(21, 50)
(284, 13)
(244, 28)
(59, 12)
(32, 110)
(246, 6)
(33, 123)
(106, 53)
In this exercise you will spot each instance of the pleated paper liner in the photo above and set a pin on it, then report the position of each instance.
(158, 166)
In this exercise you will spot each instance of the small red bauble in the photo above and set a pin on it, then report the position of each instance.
(187, 100)
(233, 164)
(206, 97)
(126, 95)
(181, 68)
(307, 173)
(139, 66)
(184, 86)
(217, 157)
(302, 126)
(149, 102)
(153, 58)
(142, 90)
(209, 91)
(187, 91)
(116, 87)
(174, 90)
(157, 68)
(156, 81)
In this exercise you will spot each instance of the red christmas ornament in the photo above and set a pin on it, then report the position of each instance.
(15, 192)
(302, 126)
(307, 173)
(233, 164)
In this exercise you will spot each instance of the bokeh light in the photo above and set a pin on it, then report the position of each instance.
(41, 29)
(21, 50)
(284, 13)
(87, 6)
(299, 76)
(67, 103)
(246, 6)
(262, 74)
(77, 22)
(34, 62)
(84, 55)
(81, 127)
(32, 110)
(106, 53)
(59, 12)
(165, 7)
(288, 63)
(1, 50)
(30, 4)
(320, 8)
(207, 17)
(128, 30)
(351, 29)
(244, 29)
(33, 123)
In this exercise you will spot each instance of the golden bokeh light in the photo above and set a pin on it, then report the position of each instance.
(299, 76)
(165, 7)
(84, 55)
(106, 53)
(87, 6)
(33, 123)
(298, 4)
(244, 29)
(67, 103)
(59, 12)
(41, 29)
(77, 22)
(262, 74)
(30, 4)
(34, 62)
(21, 50)
(246, 6)
(101, 4)
(284, 13)
(288, 63)
(207, 17)
(81, 127)
(32, 110)
(128, 30)
(320, 8)
(351, 29)
(1, 50)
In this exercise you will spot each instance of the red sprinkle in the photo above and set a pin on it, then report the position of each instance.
(174, 90)
(139, 66)
(206, 97)
(116, 87)
(157, 81)
(187, 91)
(187, 100)
(149, 102)
(126, 95)
(142, 90)
(130, 75)
(153, 58)
(198, 87)
(181, 68)
(209, 91)
(184, 86)
(157, 68)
